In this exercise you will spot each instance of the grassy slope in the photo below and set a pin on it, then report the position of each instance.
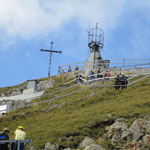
(81, 116)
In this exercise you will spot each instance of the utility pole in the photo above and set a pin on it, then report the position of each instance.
(50, 56)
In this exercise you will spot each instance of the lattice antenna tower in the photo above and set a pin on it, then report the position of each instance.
(96, 37)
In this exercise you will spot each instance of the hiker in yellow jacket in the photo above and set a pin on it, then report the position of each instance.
(19, 135)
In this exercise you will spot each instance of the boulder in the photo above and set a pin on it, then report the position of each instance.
(117, 129)
(146, 139)
(137, 129)
(32, 148)
(94, 147)
(147, 127)
(45, 84)
(86, 142)
(133, 145)
(49, 146)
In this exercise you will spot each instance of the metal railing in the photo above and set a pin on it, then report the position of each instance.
(18, 142)
(114, 63)
(84, 88)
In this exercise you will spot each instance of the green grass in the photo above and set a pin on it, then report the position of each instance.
(83, 115)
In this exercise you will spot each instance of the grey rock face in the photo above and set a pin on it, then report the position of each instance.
(116, 130)
(67, 149)
(146, 139)
(13, 91)
(136, 137)
(86, 142)
(147, 127)
(94, 147)
(43, 85)
(49, 146)
(137, 129)
(32, 148)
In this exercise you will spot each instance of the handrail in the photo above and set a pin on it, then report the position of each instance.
(113, 63)
(54, 98)
(103, 60)
(17, 141)
(97, 79)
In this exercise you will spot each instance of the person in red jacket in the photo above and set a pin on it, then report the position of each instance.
(107, 75)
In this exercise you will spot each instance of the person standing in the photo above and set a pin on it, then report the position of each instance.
(69, 69)
(19, 135)
(78, 77)
(91, 76)
(117, 83)
(4, 136)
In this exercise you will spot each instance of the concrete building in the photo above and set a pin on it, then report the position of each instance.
(31, 87)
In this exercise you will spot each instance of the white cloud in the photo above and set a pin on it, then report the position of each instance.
(37, 18)
(28, 18)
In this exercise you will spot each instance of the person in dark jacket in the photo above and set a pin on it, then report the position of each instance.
(91, 76)
(78, 76)
(4, 136)
(117, 83)
(124, 81)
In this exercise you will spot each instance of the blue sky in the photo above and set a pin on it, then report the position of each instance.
(26, 26)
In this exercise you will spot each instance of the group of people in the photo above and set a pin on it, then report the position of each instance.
(76, 68)
(92, 76)
(120, 82)
(19, 135)
(100, 75)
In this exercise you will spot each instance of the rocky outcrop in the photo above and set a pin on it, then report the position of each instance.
(41, 86)
(67, 148)
(49, 146)
(135, 137)
(55, 106)
(86, 142)
(121, 137)
(11, 104)
(45, 84)
(94, 147)
(13, 91)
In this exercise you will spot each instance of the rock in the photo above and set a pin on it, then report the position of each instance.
(133, 145)
(32, 148)
(115, 132)
(67, 148)
(94, 147)
(13, 91)
(49, 146)
(120, 120)
(86, 142)
(136, 137)
(146, 139)
(109, 115)
(127, 135)
(54, 107)
(43, 85)
(117, 128)
(147, 117)
(115, 139)
(137, 129)
(147, 127)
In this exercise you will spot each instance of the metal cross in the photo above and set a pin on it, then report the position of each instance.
(50, 57)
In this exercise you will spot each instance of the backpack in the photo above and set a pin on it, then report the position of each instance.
(2, 136)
